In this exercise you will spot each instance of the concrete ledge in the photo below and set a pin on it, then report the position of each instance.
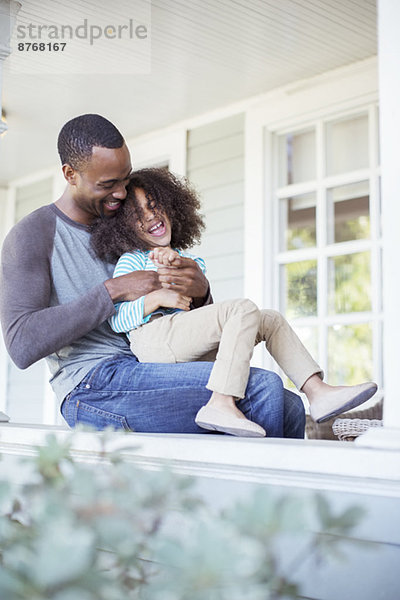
(314, 464)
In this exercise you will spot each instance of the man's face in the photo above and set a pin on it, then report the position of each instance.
(100, 187)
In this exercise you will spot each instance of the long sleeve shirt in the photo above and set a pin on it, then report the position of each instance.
(130, 315)
(54, 303)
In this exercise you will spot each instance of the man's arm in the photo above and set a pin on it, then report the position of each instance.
(32, 329)
(132, 285)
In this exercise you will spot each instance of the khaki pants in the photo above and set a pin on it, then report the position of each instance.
(225, 332)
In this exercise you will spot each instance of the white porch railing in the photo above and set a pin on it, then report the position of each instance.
(310, 464)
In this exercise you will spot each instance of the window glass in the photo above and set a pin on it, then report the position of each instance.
(297, 157)
(350, 354)
(348, 212)
(347, 145)
(309, 337)
(349, 283)
(297, 222)
(299, 286)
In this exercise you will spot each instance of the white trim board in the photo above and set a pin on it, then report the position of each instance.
(310, 464)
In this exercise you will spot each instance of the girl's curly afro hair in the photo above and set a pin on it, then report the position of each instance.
(166, 194)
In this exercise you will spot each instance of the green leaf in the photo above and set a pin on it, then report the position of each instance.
(323, 511)
(61, 555)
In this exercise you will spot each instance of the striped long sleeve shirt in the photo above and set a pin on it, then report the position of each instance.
(129, 315)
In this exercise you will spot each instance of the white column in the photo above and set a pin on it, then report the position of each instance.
(389, 91)
(389, 103)
(257, 221)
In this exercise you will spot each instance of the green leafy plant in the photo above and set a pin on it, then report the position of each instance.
(107, 531)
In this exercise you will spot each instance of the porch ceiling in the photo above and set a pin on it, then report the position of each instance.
(204, 54)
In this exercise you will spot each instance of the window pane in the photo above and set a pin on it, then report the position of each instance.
(297, 222)
(348, 213)
(349, 354)
(296, 157)
(299, 285)
(349, 283)
(347, 145)
(309, 337)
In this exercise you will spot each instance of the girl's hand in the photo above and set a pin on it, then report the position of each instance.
(167, 299)
(165, 256)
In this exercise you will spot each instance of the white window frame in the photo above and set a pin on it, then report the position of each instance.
(324, 250)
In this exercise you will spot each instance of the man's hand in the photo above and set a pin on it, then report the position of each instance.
(132, 285)
(167, 299)
(185, 277)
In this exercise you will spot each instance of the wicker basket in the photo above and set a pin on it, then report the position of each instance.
(324, 431)
(348, 429)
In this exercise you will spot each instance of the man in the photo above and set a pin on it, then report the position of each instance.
(56, 297)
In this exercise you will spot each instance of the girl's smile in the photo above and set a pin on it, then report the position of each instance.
(158, 229)
(155, 229)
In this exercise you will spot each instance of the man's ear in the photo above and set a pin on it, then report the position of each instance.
(69, 174)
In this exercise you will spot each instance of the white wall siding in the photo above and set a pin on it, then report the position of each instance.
(26, 391)
(215, 165)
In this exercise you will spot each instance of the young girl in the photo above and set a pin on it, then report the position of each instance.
(159, 220)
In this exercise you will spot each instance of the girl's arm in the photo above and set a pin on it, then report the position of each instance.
(166, 299)
(130, 315)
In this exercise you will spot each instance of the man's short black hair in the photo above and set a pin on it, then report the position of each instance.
(78, 136)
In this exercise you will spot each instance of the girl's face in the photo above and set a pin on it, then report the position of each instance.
(155, 230)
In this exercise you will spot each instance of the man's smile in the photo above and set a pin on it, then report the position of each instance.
(112, 204)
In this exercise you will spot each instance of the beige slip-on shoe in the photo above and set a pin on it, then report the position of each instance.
(341, 400)
(218, 420)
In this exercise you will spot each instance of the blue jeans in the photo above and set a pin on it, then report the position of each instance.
(164, 398)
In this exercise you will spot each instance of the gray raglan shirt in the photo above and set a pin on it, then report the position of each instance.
(54, 303)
